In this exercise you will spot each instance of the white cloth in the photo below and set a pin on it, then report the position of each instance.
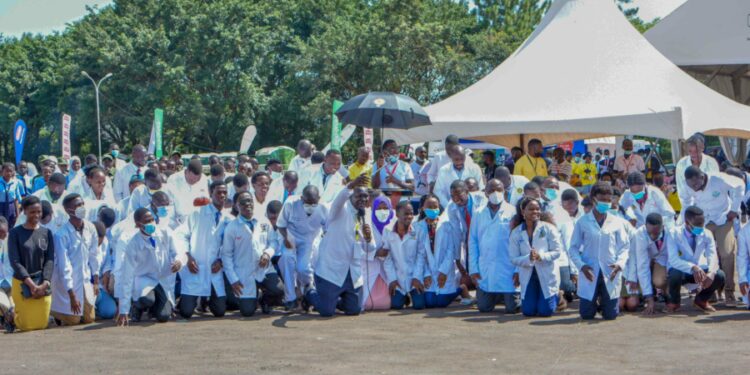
(722, 194)
(546, 241)
(634, 163)
(184, 194)
(599, 248)
(401, 262)
(488, 249)
(313, 175)
(400, 171)
(421, 181)
(77, 259)
(200, 237)
(656, 202)
(447, 174)
(644, 249)
(743, 255)
(299, 163)
(146, 266)
(241, 252)
(682, 256)
(516, 188)
(59, 216)
(708, 165)
(6, 270)
(343, 247)
(123, 175)
(431, 262)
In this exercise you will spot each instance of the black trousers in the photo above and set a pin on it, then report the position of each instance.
(217, 305)
(156, 303)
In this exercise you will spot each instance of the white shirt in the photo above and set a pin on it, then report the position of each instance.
(400, 171)
(448, 174)
(123, 175)
(722, 194)
(302, 229)
(328, 187)
(421, 181)
(634, 163)
(644, 249)
(343, 247)
(77, 259)
(298, 163)
(708, 165)
(184, 194)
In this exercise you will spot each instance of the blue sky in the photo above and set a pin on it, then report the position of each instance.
(46, 16)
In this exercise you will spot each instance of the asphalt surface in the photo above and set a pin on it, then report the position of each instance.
(455, 340)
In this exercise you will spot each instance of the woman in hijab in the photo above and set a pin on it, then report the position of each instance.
(375, 295)
(74, 170)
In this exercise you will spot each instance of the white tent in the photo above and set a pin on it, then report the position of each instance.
(710, 40)
(585, 72)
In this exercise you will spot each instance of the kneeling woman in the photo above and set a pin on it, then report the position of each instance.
(435, 259)
(534, 246)
(401, 243)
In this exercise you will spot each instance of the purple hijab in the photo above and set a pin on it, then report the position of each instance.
(378, 225)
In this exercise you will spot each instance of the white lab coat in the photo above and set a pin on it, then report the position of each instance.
(343, 247)
(515, 190)
(121, 186)
(644, 250)
(447, 174)
(6, 270)
(656, 202)
(145, 267)
(401, 262)
(743, 255)
(488, 249)
(599, 248)
(313, 175)
(460, 228)
(59, 216)
(77, 259)
(200, 237)
(184, 194)
(373, 266)
(141, 197)
(546, 241)
(708, 165)
(442, 259)
(298, 163)
(80, 186)
(723, 194)
(122, 232)
(241, 252)
(303, 229)
(682, 256)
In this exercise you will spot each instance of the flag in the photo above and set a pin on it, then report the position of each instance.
(66, 152)
(19, 137)
(346, 133)
(336, 126)
(158, 123)
(247, 138)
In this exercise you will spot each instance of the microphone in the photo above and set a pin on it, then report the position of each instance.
(361, 215)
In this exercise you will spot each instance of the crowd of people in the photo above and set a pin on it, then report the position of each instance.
(159, 239)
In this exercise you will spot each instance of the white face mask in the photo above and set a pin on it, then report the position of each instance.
(309, 208)
(496, 197)
(276, 175)
(382, 215)
(80, 212)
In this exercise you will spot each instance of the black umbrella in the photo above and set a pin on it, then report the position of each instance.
(380, 110)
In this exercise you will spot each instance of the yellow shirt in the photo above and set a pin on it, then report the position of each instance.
(530, 167)
(586, 178)
(356, 169)
(674, 201)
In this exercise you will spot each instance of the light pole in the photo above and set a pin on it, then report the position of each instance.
(98, 117)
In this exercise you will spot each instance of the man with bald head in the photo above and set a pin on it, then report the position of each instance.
(137, 165)
(513, 184)
(304, 152)
(284, 188)
(458, 169)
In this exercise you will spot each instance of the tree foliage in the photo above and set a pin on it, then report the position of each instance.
(216, 66)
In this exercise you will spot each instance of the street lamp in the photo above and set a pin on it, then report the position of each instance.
(98, 118)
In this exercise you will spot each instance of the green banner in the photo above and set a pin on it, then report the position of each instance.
(158, 122)
(336, 127)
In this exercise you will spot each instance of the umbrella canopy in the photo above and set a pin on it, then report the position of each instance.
(380, 110)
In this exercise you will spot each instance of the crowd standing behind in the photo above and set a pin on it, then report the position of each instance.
(85, 239)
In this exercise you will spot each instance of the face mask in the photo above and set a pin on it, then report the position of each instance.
(382, 215)
(419, 159)
(607, 182)
(392, 159)
(276, 175)
(162, 211)
(309, 208)
(496, 198)
(115, 153)
(638, 196)
(431, 213)
(697, 231)
(603, 207)
(627, 153)
(80, 212)
(149, 228)
(152, 191)
(551, 194)
(578, 160)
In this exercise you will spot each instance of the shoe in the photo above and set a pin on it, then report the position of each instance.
(730, 300)
(289, 306)
(467, 301)
(704, 306)
(672, 307)
(265, 308)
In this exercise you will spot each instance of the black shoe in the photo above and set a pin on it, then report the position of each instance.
(135, 314)
(265, 308)
(305, 306)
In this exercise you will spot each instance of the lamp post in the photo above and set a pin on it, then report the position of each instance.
(98, 117)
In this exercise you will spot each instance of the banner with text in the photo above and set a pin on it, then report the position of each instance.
(66, 152)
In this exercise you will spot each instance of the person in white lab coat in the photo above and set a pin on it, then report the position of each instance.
(97, 195)
(77, 261)
(200, 238)
(261, 182)
(148, 276)
(695, 147)
(400, 264)
(693, 260)
(142, 195)
(534, 246)
(462, 208)
(283, 188)
(300, 224)
(137, 165)
(52, 193)
(349, 237)
(458, 169)
(570, 202)
(6, 279)
(743, 263)
(302, 159)
(649, 268)
(247, 256)
(188, 186)
(325, 177)
(599, 249)
(375, 294)
(394, 174)
(512, 184)
(719, 195)
(491, 267)
(105, 305)
(643, 199)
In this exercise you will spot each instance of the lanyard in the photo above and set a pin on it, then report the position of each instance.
(533, 165)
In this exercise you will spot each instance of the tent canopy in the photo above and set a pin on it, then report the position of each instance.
(585, 72)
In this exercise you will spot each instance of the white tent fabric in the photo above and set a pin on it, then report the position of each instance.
(585, 72)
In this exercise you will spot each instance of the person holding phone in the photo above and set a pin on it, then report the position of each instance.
(31, 249)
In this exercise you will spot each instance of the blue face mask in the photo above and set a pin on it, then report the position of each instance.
(551, 194)
(697, 231)
(162, 211)
(431, 214)
(149, 228)
(115, 153)
(603, 207)
(392, 159)
(640, 195)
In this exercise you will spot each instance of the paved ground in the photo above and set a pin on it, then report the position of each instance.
(454, 340)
